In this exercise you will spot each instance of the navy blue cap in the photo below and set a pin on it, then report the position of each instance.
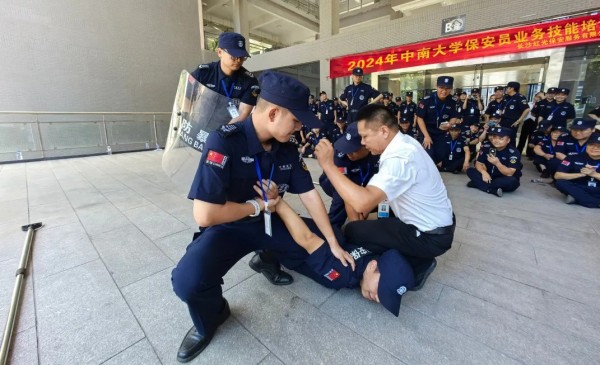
(386, 95)
(398, 98)
(335, 98)
(594, 138)
(563, 90)
(558, 128)
(544, 124)
(234, 44)
(350, 141)
(409, 93)
(501, 131)
(498, 88)
(445, 81)
(323, 93)
(580, 123)
(288, 93)
(397, 277)
(515, 85)
(551, 90)
(475, 91)
(358, 71)
(404, 120)
(455, 126)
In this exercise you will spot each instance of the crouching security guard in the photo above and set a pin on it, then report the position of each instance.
(578, 177)
(235, 157)
(498, 167)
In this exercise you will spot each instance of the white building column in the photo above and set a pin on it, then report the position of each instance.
(329, 24)
(239, 10)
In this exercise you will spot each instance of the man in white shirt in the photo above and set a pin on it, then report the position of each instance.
(424, 224)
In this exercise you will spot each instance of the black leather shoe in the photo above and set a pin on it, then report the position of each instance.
(194, 343)
(422, 275)
(271, 271)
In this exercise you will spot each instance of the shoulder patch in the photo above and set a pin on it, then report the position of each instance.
(511, 150)
(427, 97)
(332, 275)
(565, 162)
(229, 129)
(216, 159)
(248, 73)
(204, 65)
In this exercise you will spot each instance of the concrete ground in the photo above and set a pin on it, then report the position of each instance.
(520, 285)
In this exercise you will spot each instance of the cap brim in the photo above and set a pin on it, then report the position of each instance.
(344, 146)
(307, 118)
(237, 52)
(392, 304)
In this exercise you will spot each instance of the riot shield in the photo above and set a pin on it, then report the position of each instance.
(197, 110)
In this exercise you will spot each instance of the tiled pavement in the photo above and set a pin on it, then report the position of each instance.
(520, 285)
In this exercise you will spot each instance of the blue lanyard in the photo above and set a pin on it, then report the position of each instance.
(452, 145)
(555, 109)
(228, 94)
(354, 91)
(582, 148)
(259, 174)
(550, 148)
(363, 178)
(437, 111)
(508, 102)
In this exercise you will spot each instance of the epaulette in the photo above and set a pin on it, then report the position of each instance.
(249, 73)
(511, 150)
(203, 66)
(426, 97)
(227, 130)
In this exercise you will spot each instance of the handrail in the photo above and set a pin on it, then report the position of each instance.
(85, 113)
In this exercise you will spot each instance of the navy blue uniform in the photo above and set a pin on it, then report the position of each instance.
(569, 146)
(510, 158)
(470, 137)
(227, 172)
(512, 109)
(595, 112)
(472, 111)
(360, 172)
(454, 156)
(494, 108)
(434, 112)
(327, 108)
(551, 164)
(585, 190)
(357, 96)
(342, 113)
(242, 86)
(393, 108)
(334, 134)
(408, 110)
(542, 108)
(314, 107)
(559, 113)
(313, 140)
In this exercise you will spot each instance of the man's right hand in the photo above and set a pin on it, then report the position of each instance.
(342, 255)
(485, 176)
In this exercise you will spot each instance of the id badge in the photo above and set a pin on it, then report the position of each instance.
(472, 111)
(591, 184)
(383, 209)
(549, 117)
(450, 157)
(326, 111)
(233, 112)
(268, 228)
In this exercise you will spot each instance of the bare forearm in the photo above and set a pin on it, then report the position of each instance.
(313, 203)
(209, 214)
(568, 176)
(297, 228)
(359, 198)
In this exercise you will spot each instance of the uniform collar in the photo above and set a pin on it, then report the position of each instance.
(254, 145)
(233, 77)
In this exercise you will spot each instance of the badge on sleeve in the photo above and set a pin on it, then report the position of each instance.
(216, 159)
(565, 162)
(332, 275)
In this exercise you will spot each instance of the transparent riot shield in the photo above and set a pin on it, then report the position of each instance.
(197, 110)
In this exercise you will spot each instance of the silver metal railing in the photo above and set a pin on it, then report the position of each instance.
(29, 135)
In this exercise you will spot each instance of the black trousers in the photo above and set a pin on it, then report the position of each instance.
(529, 126)
(380, 235)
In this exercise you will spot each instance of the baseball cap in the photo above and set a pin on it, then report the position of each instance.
(396, 278)
(498, 88)
(358, 71)
(563, 90)
(234, 44)
(558, 128)
(409, 93)
(386, 95)
(350, 141)
(398, 98)
(404, 120)
(551, 90)
(288, 93)
(544, 124)
(594, 139)
(323, 93)
(445, 81)
(515, 85)
(501, 131)
(580, 123)
(475, 91)
(455, 126)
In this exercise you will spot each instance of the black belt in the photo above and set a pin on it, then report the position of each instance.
(444, 230)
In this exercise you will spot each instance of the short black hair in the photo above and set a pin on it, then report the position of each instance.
(377, 113)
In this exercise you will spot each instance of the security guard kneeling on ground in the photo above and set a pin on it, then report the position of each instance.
(498, 167)
(235, 157)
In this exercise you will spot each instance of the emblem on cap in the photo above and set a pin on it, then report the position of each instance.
(241, 44)
(348, 136)
(446, 81)
(401, 290)
(579, 122)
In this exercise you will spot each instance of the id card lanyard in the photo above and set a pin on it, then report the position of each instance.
(354, 91)
(364, 177)
(233, 112)
(437, 111)
(268, 228)
(551, 115)
(452, 145)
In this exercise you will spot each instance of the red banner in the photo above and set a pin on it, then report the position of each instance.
(554, 34)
